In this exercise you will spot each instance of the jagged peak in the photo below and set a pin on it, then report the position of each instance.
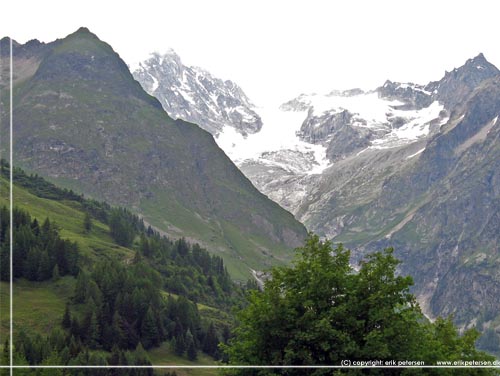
(387, 83)
(168, 53)
(477, 63)
(160, 57)
(479, 57)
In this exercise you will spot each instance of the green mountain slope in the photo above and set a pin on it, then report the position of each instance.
(81, 120)
(168, 273)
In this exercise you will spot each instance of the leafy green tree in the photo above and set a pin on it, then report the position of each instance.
(321, 311)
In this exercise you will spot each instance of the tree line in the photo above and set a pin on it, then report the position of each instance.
(119, 306)
(40, 253)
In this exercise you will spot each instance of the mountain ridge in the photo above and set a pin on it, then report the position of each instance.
(193, 94)
(83, 121)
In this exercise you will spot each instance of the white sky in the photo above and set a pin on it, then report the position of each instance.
(277, 49)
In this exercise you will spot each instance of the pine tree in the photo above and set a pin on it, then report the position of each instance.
(44, 267)
(32, 264)
(90, 324)
(87, 223)
(192, 354)
(82, 287)
(35, 227)
(114, 358)
(144, 246)
(55, 273)
(75, 328)
(118, 335)
(210, 342)
(149, 330)
(74, 347)
(66, 321)
(179, 344)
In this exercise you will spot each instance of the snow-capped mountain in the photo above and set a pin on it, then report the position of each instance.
(192, 94)
(306, 135)
(356, 120)
(409, 165)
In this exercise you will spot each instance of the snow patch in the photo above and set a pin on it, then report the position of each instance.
(155, 83)
(368, 107)
(417, 153)
(278, 134)
(416, 128)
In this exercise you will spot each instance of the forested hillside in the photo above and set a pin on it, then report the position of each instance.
(108, 289)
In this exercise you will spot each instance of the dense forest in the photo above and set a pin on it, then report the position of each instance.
(120, 307)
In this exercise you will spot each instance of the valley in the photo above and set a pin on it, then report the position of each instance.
(400, 166)
(170, 197)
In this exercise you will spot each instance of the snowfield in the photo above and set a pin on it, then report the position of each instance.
(279, 134)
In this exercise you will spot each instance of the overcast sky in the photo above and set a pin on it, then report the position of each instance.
(275, 49)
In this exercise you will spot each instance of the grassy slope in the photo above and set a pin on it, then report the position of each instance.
(39, 306)
(171, 172)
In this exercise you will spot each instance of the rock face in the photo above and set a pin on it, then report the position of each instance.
(194, 95)
(435, 200)
(451, 204)
(405, 165)
(457, 85)
(81, 120)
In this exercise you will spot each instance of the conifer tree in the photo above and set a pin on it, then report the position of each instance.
(179, 344)
(82, 287)
(66, 321)
(55, 273)
(117, 332)
(87, 223)
(210, 342)
(192, 354)
(149, 330)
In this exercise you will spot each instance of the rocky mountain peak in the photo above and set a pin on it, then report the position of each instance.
(193, 94)
(413, 96)
(457, 84)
